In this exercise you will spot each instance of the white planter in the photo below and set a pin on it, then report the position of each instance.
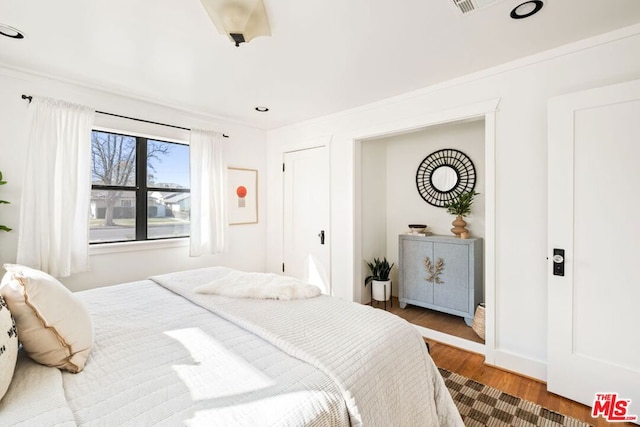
(381, 290)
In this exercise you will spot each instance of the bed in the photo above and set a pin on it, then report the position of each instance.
(165, 352)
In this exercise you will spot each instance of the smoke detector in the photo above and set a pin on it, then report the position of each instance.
(466, 6)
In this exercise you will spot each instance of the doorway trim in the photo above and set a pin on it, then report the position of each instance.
(481, 110)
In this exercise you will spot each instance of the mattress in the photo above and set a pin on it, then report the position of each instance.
(166, 355)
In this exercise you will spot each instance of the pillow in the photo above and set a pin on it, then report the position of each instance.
(8, 347)
(54, 326)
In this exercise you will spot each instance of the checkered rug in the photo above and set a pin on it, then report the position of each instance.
(481, 405)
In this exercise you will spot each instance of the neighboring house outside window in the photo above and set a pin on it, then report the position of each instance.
(140, 188)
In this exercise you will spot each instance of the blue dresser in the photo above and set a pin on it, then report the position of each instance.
(441, 273)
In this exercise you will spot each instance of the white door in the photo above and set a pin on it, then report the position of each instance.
(594, 208)
(306, 216)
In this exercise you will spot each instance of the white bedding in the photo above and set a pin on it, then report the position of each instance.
(378, 360)
(158, 359)
(35, 397)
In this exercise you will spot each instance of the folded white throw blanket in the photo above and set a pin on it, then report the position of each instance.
(238, 284)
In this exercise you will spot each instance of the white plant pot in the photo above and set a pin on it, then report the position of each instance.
(381, 290)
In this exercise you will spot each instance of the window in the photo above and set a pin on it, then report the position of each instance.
(140, 188)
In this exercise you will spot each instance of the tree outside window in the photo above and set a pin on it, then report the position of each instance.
(140, 188)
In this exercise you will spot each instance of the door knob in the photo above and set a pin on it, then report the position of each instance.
(321, 236)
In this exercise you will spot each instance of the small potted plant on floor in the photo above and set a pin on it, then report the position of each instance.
(461, 207)
(379, 279)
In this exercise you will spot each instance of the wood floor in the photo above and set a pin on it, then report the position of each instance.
(432, 319)
(472, 365)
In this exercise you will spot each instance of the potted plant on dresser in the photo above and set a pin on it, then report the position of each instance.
(379, 279)
(461, 207)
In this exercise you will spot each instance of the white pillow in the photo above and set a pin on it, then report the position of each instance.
(8, 347)
(54, 326)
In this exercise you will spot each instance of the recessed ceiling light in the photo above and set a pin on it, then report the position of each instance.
(11, 32)
(262, 109)
(526, 9)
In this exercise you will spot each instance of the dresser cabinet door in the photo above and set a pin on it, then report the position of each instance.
(453, 292)
(441, 273)
(414, 284)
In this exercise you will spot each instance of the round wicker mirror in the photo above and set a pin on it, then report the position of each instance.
(443, 175)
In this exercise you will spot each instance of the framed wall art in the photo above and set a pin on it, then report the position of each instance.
(242, 195)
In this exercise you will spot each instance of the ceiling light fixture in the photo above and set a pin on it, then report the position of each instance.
(241, 20)
(262, 109)
(526, 9)
(11, 32)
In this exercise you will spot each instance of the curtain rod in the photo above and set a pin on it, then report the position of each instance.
(29, 98)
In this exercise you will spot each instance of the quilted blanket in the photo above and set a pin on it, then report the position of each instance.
(167, 356)
(378, 360)
(160, 360)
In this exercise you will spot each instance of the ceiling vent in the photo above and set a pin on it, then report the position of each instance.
(466, 6)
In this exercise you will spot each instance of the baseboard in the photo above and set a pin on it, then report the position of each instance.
(451, 340)
(521, 365)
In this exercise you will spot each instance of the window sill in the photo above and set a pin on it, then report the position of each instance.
(109, 248)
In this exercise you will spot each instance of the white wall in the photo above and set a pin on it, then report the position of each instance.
(523, 87)
(405, 153)
(245, 148)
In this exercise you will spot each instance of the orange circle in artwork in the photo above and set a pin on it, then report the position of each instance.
(241, 191)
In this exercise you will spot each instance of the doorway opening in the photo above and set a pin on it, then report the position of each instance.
(387, 201)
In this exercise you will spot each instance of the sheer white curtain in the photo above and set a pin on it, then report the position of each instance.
(54, 211)
(208, 193)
